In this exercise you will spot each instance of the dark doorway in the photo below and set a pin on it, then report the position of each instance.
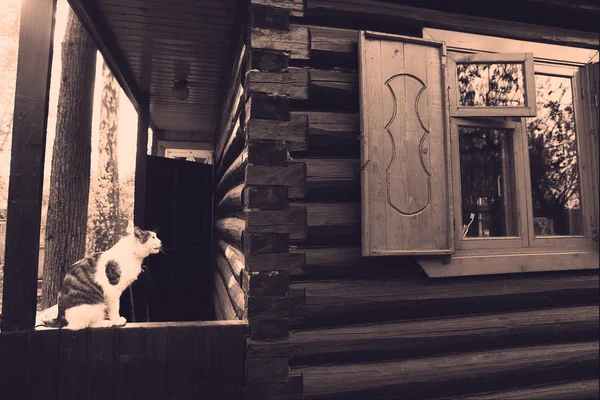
(176, 285)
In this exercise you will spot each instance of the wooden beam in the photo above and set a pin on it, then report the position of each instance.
(235, 258)
(223, 298)
(27, 165)
(231, 203)
(420, 17)
(91, 17)
(420, 338)
(140, 164)
(232, 286)
(231, 230)
(452, 375)
(579, 389)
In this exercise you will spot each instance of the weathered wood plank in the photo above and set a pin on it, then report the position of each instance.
(333, 133)
(155, 356)
(296, 7)
(453, 374)
(266, 152)
(72, 362)
(180, 365)
(217, 308)
(420, 17)
(224, 347)
(333, 42)
(275, 262)
(273, 307)
(264, 106)
(27, 165)
(100, 364)
(268, 328)
(42, 364)
(129, 362)
(293, 175)
(270, 60)
(271, 283)
(234, 257)
(294, 83)
(233, 147)
(332, 179)
(231, 230)
(362, 301)
(269, 17)
(265, 197)
(294, 40)
(421, 338)
(232, 286)
(13, 368)
(329, 223)
(577, 390)
(223, 298)
(260, 243)
(293, 132)
(266, 369)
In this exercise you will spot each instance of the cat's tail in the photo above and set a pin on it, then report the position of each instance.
(53, 323)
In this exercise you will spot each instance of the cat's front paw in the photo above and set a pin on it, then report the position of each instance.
(121, 321)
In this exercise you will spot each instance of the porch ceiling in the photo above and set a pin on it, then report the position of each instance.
(164, 40)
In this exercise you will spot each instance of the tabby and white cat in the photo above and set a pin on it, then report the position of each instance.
(91, 290)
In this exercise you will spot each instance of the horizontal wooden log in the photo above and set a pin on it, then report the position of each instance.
(232, 285)
(234, 175)
(318, 86)
(576, 390)
(235, 144)
(294, 40)
(452, 375)
(275, 262)
(234, 257)
(231, 230)
(332, 179)
(269, 17)
(264, 106)
(223, 298)
(366, 343)
(399, 14)
(261, 243)
(274, 307)
(362, 301)
(295, 7)
(293, 132)
(291, 221)
(271, 283)
(267, 328)
(270, 60)
(266, 369)
(333, 133)
(333, 42)
(328, 223)
(265, 197)
(293, 174)
(231, 203)
(217, 308)
(291, 389)
(267, 152)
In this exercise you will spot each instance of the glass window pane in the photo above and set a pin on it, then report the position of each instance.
(553, 159)
(487, 182)
(491, 85)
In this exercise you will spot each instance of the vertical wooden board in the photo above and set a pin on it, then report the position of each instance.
(155, 362)
(42, 364)
(219, 362)
(100, 364)
(180, 362)
(13, 365)
(373, 176)
(72, 364)
(129, 363)
(405, 178)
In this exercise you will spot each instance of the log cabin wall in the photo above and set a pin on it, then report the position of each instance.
(327, 323)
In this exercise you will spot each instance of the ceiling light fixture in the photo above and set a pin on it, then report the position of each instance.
(180, 90)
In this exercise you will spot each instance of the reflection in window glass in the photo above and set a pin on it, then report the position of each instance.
(491, 85)
(553, 159)
(486, 179)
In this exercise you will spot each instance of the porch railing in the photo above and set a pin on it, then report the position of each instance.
(190, 360)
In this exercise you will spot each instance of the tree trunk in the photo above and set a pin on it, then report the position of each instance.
(106, 226)
(70, 177)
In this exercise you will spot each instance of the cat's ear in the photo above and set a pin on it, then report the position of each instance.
(138, 233)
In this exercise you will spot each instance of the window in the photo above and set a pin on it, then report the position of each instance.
(494, 171)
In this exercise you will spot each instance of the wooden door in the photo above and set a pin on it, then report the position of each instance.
(179, 209)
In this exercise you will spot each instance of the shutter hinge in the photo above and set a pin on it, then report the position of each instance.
(596, 99)
(595, 235)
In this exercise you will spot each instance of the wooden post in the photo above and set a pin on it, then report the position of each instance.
(140, 163)
(27, 164)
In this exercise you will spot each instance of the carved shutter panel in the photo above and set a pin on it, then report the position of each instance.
(406, 203)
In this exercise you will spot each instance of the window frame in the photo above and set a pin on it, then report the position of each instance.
(456, 110)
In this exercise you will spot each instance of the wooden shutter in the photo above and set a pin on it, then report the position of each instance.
(590, 82)
(406, 203)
